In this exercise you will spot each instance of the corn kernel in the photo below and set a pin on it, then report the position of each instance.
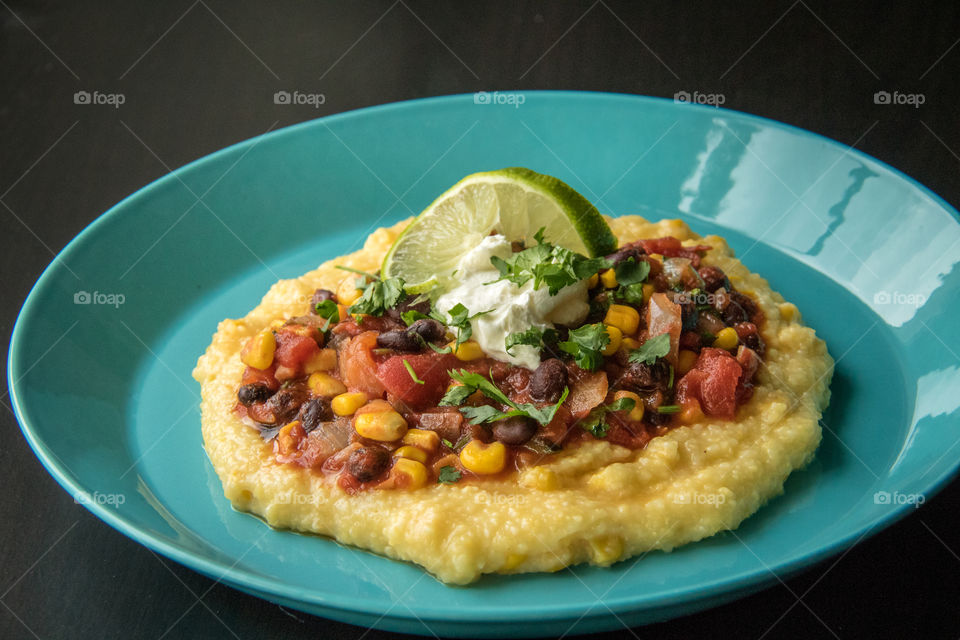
(727, 338)
(609, 278)
(593, 281)
(657, 256)
(289, 437)
(513, 561)
(685, 361)
(411, 453)
(606, 549)
(616, 337)
(324, 385)
(378, 420)
(259, 350)
(630, 344)
(691, 412)
(484, 458)
(323, 360)
(428, 441)
(409, 474)
(625, 318)
(647, 292)
(635, 414)
(347, 292)
(467, 351)
(342, 312)
(346, 404)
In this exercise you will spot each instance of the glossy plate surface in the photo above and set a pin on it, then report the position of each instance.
(104, 393)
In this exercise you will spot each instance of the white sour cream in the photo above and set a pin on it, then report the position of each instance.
(512, 308)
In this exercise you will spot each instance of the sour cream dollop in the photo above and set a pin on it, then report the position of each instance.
(512, 308)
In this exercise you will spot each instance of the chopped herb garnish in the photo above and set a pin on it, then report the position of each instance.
(670, 381)
(548, 264)
(534, 337)
(586, 344)
(446, 443)
(630, 272)
(327, 309)
(652, 349)
(631, 293)
(448, 475)
(596, 423)
(669, 408)
(411, 316)
(443, 349)
(471, 382)
(413, 374)
(378, 296)
(460, 320)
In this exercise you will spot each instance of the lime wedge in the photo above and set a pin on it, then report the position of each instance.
(515, 202)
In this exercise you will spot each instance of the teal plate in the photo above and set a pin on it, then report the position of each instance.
(102, 352)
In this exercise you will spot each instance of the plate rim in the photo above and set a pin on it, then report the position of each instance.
(230, 574)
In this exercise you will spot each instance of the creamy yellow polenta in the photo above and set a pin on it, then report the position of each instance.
(598, 503)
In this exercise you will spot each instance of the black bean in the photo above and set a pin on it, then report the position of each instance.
(548, 381)
(643, 377)
(319, 296)
(400, 340)
(713, 278)
(285, 404)
(428, 329)
(313, 412)
(366, 463)
(251, 393)
(624, 253)
(515, 430)
(740, 309)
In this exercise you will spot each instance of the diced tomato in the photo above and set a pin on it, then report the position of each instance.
(294, 348)
(713, 381)
(358, 370)
(261, 376)
(632, 436)
(672, 248)
(431, 368)
(664, 316)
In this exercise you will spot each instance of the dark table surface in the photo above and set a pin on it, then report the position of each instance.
(199, 75)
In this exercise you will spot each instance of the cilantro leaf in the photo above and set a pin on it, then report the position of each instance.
(652, 349)
(327, 309)
(411, 316)
(448, 475)
(459, 319)
(533, 337)
(485, 413)
(456, 396)
(631, 293)
(596, 423)
(544, 263)
(632, 272)
(585, 345)
(378, 296)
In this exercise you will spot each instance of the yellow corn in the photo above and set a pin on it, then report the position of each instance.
(727, 338)
(685, 361)
(324, 385)
(408, 474)
(411, 453)
(593, 281)
(323, 360)
(647, 292)
(347, 292)
(625, 318)
(656, 256)
(380, 421)
(609, 278)
(342, 312)
(635, 414)
(346, 404)
(467, 351)
(258, 352)
(429, 441)
(288, 438)
(484, 458)
(631, 343)
(616, 338)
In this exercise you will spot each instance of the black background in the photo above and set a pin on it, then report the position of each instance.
(198, 76)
